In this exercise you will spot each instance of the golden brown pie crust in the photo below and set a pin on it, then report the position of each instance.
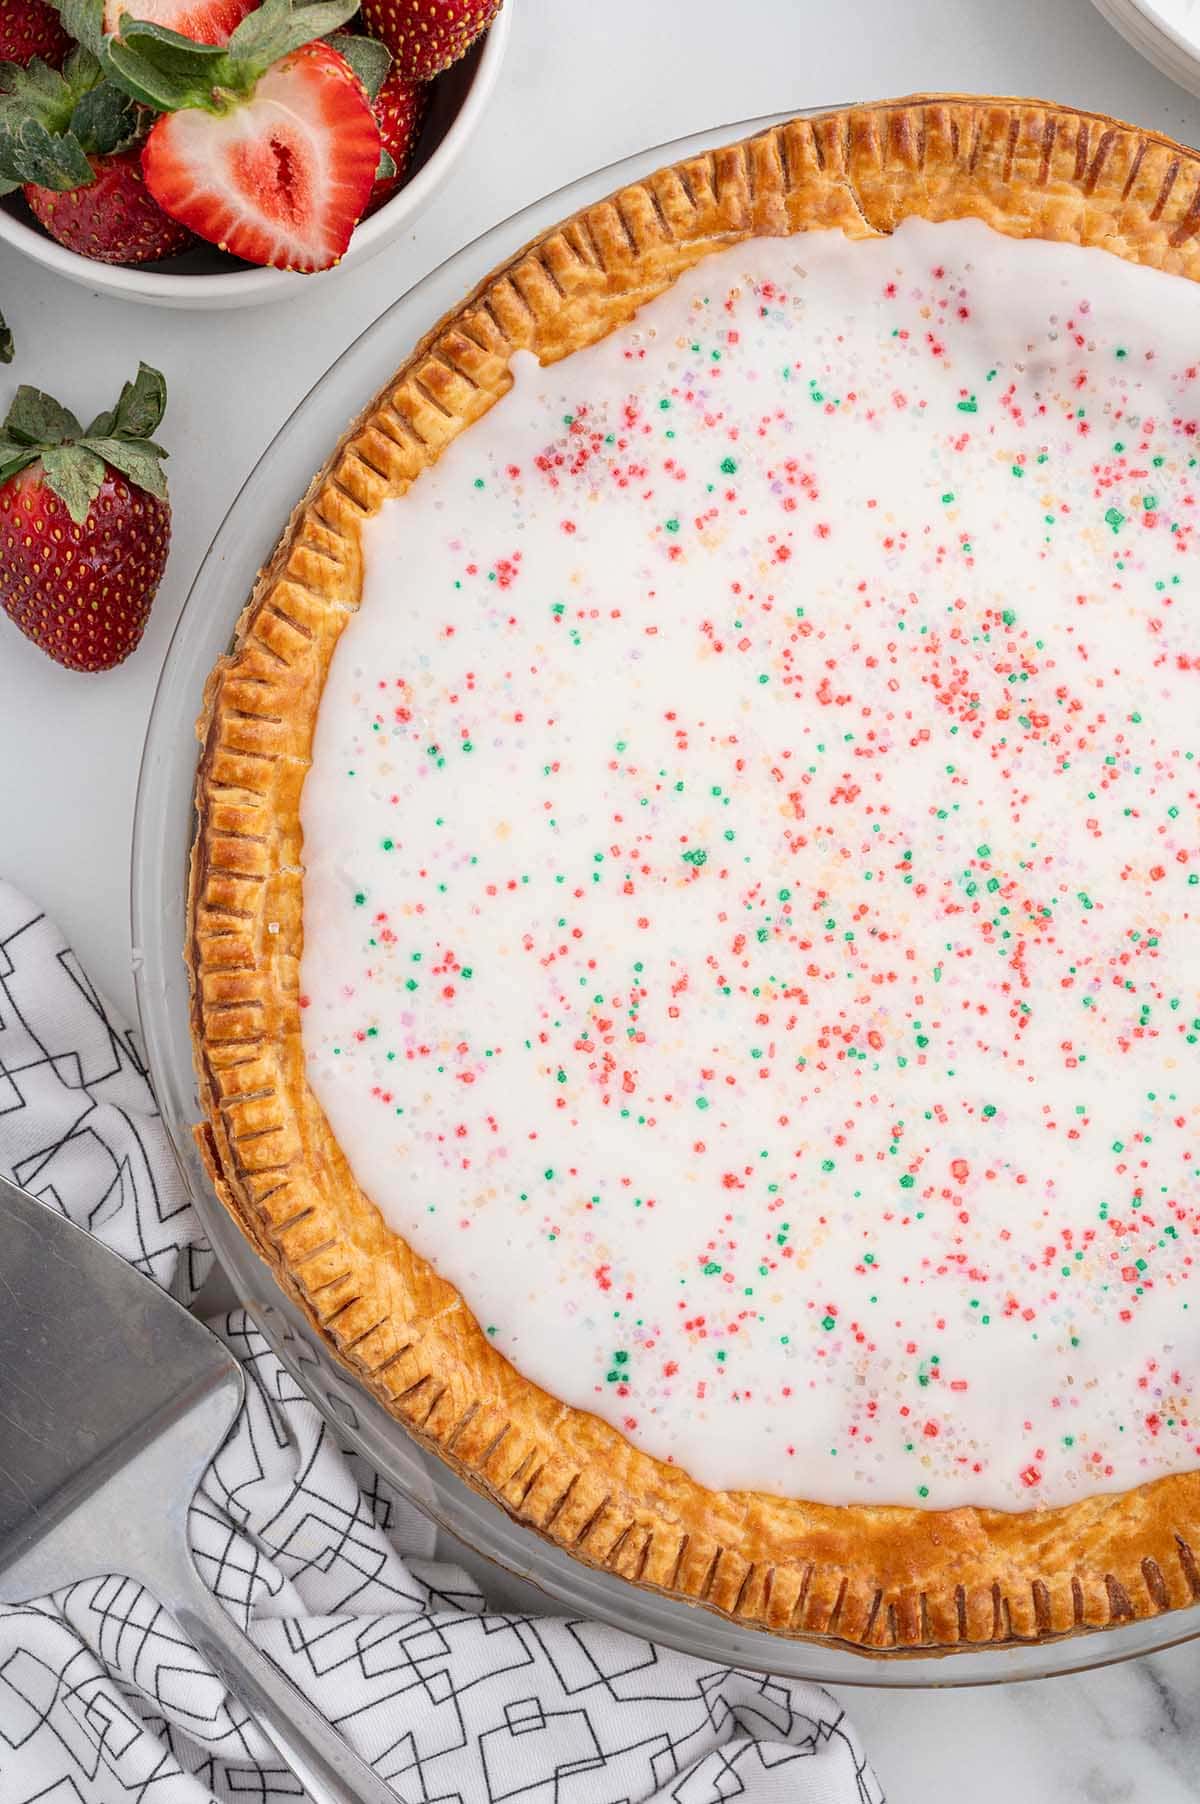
(878, 1578)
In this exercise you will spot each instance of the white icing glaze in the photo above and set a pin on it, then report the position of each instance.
(751, 851)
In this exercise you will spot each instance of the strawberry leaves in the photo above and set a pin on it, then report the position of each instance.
(6, 341)
(105, 120)
(161, 69)
(369, 59)
(36, 144)
(84, 21)
(74, 474)
(37, 427)
(37, 419)
(278, 27)
(164, 70)
(51, 122)
(138, 412)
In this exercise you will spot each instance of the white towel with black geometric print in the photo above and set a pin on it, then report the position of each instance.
(101, 1700)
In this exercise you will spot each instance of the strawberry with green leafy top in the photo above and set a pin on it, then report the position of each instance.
(69, 139)
(30, 28)
(426, 36)
(267, 146)
(85, 522)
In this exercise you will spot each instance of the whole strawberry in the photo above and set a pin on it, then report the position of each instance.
(85, 522)
(113, 218)
(30, 28)
(426, 36)
(399, 107)
(69, 138)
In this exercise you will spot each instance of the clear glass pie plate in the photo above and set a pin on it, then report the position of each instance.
(162, 837)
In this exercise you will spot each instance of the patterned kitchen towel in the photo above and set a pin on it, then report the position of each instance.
(101, 1700)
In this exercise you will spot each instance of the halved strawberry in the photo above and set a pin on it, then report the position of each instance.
(281, 177)
(205, 21)
(266, 146)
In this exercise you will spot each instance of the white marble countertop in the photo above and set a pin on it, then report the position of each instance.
(584, 84)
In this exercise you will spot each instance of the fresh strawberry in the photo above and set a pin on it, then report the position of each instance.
(204, 21)
(114, 218)
(426, 36)
(399, 108)
(281, 179)
(30, 28)
(84, 523)
(67, 137)
(268, 148)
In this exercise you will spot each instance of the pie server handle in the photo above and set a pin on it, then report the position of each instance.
(329, 1769)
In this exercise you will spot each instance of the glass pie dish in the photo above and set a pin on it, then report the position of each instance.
(162, 836)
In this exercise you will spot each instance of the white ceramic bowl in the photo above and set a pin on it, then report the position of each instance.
(1167, 32)
(207, 278)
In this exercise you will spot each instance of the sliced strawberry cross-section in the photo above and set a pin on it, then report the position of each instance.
(281, 177)
(266, 146)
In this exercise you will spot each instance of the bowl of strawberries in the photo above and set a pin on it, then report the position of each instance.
(205, 153)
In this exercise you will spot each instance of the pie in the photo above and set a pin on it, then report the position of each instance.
(698, 1000)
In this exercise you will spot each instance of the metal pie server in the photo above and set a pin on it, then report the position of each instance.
(113, 1400)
